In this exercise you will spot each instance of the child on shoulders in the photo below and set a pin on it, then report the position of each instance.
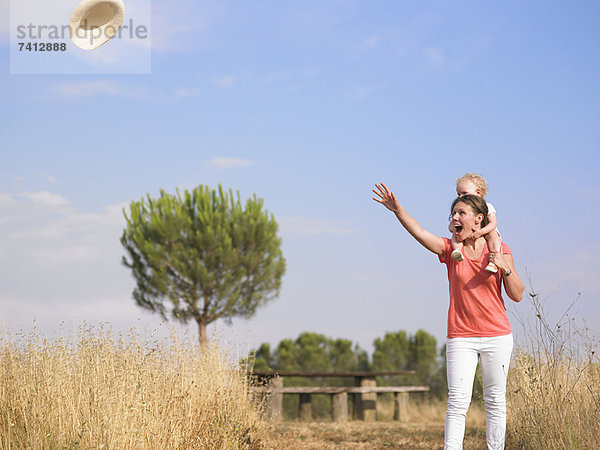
(474, 184)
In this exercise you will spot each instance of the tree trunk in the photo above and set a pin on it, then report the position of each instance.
(202, 334)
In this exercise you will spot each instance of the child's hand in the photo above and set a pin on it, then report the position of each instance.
(477, 234)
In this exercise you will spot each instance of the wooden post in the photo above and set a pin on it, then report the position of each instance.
(368, 402)
(401, 406)
(340, 407)
(276, 400)
(356, 408)
(305, 411)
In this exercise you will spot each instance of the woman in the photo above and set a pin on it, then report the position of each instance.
(478, 326)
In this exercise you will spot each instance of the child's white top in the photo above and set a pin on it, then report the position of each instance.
(492, 210)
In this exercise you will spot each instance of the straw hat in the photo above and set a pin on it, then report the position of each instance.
(95, 22)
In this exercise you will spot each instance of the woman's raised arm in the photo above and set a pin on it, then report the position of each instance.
(428, 240)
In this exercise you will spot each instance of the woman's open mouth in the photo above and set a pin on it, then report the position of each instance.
(458, 228)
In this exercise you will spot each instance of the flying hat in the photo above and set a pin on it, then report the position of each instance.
(95, 22)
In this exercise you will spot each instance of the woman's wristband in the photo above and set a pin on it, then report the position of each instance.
(507, 273)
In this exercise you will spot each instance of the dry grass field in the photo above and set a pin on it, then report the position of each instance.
(359, 435)
(97, 390)
(425, 430)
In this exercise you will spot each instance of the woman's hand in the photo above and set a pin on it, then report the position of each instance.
(501, 262)
(512, 283)
(388, 199)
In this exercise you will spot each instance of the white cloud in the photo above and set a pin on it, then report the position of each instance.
(179, 25)
(363, 277)
(435, 57)
(45, 198)
(294, 75)
(56, 254)
(310, 225)
(87, 88)
(187, 92)
(224, 81)
(5, 21)
(225, 163)
(92, 88)
(5, 199)
(558, 278)
(362, 92)
(577, 271)
(48, 177)
(119, 314)
(64, 266)
(370, 42)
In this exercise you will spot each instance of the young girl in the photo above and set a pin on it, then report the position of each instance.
(474, 184)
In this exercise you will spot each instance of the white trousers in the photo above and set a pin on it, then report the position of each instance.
(461, 359)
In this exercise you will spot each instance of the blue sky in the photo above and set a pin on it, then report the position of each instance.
(308, 104)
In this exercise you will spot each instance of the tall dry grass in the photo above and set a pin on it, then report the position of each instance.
(554, 385)
(97, 390)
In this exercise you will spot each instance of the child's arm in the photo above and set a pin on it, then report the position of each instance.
(491, 226)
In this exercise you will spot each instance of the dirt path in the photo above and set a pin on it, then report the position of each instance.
(356, 434)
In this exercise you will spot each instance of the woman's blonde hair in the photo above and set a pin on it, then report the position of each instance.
(477, 180)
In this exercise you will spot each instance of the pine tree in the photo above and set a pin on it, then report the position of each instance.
(205, 253)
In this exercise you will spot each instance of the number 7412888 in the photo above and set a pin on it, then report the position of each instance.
(42, 46)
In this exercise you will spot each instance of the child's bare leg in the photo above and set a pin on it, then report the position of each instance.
(493, 243)
(456, 249)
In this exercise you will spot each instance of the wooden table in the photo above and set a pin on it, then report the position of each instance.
(365, 392)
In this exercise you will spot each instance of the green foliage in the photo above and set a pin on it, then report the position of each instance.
(263, 359)
(311, 352)
(438, 383)
(207, 254)
(423, 356)
(346, 358)
(399, 351)
(391, 352)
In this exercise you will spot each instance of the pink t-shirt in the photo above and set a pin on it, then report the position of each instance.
(476, 305)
